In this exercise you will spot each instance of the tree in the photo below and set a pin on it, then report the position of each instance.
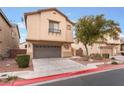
(90, 29)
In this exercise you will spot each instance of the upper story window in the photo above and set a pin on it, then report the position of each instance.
(54, 27)
(68, 27)
(13, 34)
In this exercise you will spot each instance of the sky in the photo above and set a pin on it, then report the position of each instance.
(15, 15)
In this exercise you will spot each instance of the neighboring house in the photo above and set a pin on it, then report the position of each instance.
(15, 36)
(23, 45)
(9, 35)
(111, 47)
(122, 45)
(49, 34)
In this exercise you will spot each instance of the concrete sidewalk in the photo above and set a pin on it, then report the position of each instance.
(50, 66)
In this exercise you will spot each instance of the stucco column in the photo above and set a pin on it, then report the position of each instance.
(30, 49)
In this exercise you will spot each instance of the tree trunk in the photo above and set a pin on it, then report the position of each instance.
(86, 49)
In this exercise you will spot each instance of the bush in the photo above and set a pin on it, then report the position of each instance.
(122, 54)
(23, 60)
(1, 57)
(96, 56)
(114, 62)
(105, 55)
(112, 58)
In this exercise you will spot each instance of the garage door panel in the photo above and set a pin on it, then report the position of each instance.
(47, 51)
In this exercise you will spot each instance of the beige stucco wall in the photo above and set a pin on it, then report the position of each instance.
(30, 49)
(33, 26)
(15, 37)
(66, 52)
(95, 48)
(69, 33)
(91, 49)
(5, 37)
(22, 45)
(38, 27)
(116, 49)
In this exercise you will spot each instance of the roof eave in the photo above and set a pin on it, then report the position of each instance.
(43, 10)
(5, 18)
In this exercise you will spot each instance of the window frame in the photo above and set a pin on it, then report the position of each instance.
(53, 29)
(25, 45)
(68, 27)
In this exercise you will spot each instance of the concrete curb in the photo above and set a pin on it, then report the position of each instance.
(57, 76)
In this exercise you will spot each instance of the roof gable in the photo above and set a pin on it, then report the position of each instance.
(16, 26)
(46, 10)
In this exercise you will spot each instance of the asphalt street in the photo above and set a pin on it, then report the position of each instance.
(109, 78)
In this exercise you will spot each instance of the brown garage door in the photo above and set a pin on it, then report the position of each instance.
(47, 51)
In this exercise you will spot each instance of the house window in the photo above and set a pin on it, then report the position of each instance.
(25, 46)
(13, 34)
(54, 26)
(68, 27)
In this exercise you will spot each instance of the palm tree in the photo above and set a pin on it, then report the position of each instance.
(90, 29)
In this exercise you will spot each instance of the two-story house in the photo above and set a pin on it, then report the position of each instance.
(111, 46)
(49, 34)
(122, 45)
(9, 35)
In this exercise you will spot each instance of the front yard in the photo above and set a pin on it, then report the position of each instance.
(82, 60)
(100, 62)
(10, 72)
(10, 65)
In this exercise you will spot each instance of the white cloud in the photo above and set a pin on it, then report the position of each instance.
(21, 25)
(23, 37)
(68, 14)
(122, 35)
(74, 21)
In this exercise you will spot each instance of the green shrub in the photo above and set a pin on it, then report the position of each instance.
(112, 58)
(23, 60)
(105, 55)
(114, 62)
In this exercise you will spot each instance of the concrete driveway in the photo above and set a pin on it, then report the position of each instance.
(56, 65)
